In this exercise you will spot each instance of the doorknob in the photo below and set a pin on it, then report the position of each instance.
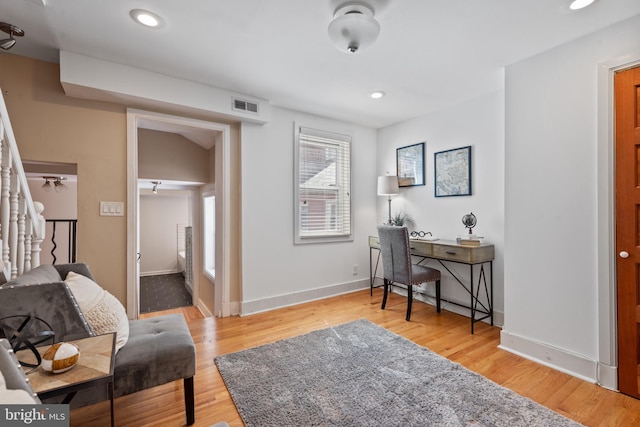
(624, 254)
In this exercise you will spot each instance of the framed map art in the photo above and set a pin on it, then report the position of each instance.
(452, 170)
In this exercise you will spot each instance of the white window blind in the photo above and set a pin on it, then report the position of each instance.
(323, 186)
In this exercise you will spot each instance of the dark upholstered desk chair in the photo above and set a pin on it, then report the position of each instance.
(398, 269)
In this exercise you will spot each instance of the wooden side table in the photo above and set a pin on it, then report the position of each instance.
(94, 367)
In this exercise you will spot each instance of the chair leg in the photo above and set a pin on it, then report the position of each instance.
(189, 401)
(386, 290)
(409, 301)
(438, 295)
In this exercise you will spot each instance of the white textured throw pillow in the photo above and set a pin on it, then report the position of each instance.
(104, 312)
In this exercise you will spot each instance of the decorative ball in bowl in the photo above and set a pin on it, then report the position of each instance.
(60, 357)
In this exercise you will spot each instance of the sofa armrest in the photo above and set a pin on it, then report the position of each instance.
(52, 302)
(13, 375)
(40, 274)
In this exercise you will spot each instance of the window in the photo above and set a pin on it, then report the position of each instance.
(322, 186)
(209, 222)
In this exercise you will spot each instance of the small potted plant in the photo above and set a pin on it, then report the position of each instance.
(401, 218)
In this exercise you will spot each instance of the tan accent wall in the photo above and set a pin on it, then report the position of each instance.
(171, 156)
(51, 127)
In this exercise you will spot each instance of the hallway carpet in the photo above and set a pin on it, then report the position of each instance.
(163, 292)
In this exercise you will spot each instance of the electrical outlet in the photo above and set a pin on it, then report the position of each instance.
(355, 269)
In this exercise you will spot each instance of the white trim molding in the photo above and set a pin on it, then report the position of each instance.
(223, 205)
(294, 298)
(562, 360)
(607, 299)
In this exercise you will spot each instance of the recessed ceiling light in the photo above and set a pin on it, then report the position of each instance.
(146, 18)
(579, 4)
(376, 95)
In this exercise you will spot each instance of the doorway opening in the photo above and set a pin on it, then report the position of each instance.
(166, 248)
(216, 297)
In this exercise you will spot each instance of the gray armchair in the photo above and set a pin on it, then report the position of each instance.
(159, 349)
(397, 266)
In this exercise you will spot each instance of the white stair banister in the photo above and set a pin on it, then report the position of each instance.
(14, 195)
(5, 187)
(21, 225)
(39, 224)
(28, 231)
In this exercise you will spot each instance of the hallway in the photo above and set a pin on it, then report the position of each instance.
(163, 292)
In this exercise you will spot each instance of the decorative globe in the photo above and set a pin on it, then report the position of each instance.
(469, 221)
(60, 357)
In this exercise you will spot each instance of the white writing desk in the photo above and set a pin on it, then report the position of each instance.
(445, 251)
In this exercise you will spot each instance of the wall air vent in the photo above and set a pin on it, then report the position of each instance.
(242, 105)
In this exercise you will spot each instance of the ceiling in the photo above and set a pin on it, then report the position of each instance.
(430, 53)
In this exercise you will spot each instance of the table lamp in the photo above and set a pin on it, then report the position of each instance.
(388, 186)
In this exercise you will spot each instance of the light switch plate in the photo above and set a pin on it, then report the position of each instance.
(111, 208)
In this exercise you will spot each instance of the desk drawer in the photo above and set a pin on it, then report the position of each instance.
(452, 253)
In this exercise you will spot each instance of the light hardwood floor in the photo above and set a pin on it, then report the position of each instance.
(445, 333)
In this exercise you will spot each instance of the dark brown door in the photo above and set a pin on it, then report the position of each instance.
(627, 137)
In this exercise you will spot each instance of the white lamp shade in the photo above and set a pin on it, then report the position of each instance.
(353, 28)
(388, 185)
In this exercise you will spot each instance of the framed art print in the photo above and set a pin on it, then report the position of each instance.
(452, 169)
(410, 165)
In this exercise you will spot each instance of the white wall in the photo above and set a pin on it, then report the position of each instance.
(275, 272)
(480, 123)
(159, 216)
(555, 306)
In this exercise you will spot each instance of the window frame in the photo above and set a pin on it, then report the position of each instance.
(209, 241)
(343, 140)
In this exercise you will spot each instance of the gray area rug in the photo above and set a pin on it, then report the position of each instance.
(359, 374)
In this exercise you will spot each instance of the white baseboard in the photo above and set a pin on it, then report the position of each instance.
(559, 359)
(608, 376)
(203, 309)
(158, 273)
(231, 308)
(286, 300)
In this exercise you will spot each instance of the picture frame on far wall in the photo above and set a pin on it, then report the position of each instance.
(410, 165)
(452, 170)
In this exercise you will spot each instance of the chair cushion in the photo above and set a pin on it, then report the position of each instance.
(159, 350)
(422, 274)
(104, 312)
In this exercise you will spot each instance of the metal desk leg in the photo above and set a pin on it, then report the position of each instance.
(370, 272)
(491, 281)
(111, 399)
(473, 306)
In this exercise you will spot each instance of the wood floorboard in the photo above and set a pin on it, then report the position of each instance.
(445, 333)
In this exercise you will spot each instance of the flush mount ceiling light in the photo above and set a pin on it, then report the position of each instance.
(376, 95)
(146, 18)
(354, 27)
(13, 31)
(57, 183)
(580, 4)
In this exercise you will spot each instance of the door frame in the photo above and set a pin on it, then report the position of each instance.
(607, 363)
(222, 149)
